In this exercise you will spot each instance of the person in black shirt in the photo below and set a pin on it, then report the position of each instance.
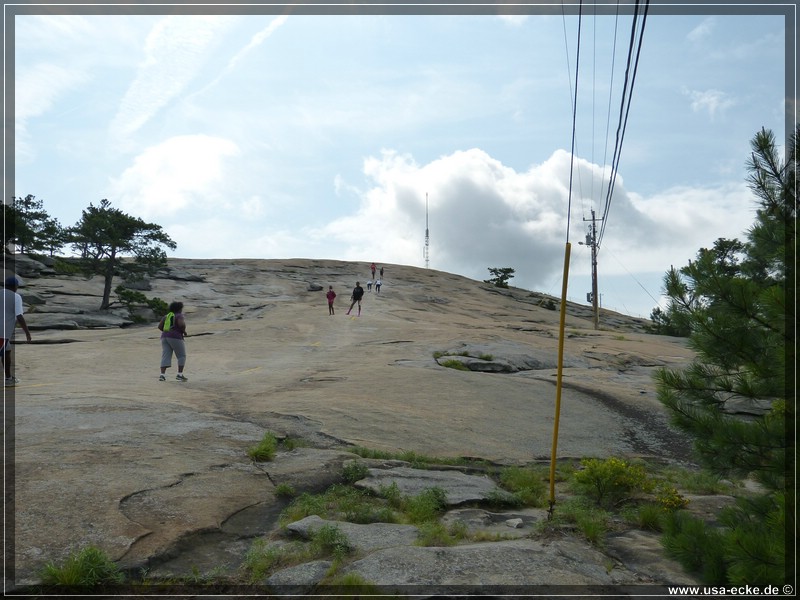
(358, 293)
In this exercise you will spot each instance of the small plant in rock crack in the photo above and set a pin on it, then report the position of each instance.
(265, 449)
(329, 540)
(284, 490)
(354, 471)
(89, 567)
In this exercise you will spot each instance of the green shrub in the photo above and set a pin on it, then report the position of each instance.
(645, 516)
(526, 484)
(611, 481)
(301, 507)
(328, 540)
(264, 558)
(590, 520)
(697, 482)
(669, 498)
(392, 495)
(130, 299)
(338, 502)
(425, 506)
(354, 471)
(265, 449)
(65, 267)
(352, 584)
(434, 533)
(89, 567)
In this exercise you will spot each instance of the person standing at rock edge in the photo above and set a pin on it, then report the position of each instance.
(12, 305)
(331, 295)
(173, 330)
(358, 293)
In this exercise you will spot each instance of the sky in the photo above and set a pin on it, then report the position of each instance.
(330, 136)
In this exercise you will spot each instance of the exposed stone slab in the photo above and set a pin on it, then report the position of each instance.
(505, 357)
(58, 320)
(363, 537)
(642, 553)
(512, 524)
(459, 487)
(523, 562)
(299, 579)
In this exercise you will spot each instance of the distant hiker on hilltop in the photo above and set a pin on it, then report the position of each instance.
(173, 330)
(358, 293)
(381, 272)
(331, 295)
(372, 268)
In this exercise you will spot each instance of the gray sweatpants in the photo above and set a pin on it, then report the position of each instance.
(170, 345)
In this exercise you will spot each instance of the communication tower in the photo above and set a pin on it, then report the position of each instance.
(426, 249)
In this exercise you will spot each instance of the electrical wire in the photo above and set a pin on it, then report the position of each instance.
(574, 116)
(625, 104)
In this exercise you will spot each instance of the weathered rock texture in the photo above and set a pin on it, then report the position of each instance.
(157, 474)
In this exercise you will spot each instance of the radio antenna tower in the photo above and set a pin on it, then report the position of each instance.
(426, 249)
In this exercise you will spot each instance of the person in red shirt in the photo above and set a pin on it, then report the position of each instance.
(331, 295)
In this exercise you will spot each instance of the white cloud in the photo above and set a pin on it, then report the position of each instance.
(36, 91)
(182, 174)
(482, 214)
(711, 101)
(175, 50)
(702, 31)
(258, 39)
(514, 20)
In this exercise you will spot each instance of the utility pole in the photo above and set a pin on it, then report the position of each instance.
(426, 249)
(593, 296)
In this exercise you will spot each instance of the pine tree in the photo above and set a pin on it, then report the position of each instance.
(106, 236)
(738, 300)
(30, 228)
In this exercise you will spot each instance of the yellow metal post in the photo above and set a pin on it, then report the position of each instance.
(558, 379)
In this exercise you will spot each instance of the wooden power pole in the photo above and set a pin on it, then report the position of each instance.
(593, 296)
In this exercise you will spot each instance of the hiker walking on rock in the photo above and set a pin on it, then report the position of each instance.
(173, 330)
(331, 295)
(358, 293)
(13, 307)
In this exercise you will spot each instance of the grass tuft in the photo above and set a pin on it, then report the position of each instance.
(87, 568)
(265, 449)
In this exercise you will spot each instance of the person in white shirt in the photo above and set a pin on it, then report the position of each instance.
(13, 316)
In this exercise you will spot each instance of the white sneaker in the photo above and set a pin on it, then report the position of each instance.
(180, 377)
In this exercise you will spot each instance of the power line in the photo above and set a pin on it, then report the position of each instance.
(574, 114)
(625, 105)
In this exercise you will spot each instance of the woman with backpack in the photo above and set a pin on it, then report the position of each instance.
(173, 330)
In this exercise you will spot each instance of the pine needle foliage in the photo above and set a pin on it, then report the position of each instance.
(737, 398)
